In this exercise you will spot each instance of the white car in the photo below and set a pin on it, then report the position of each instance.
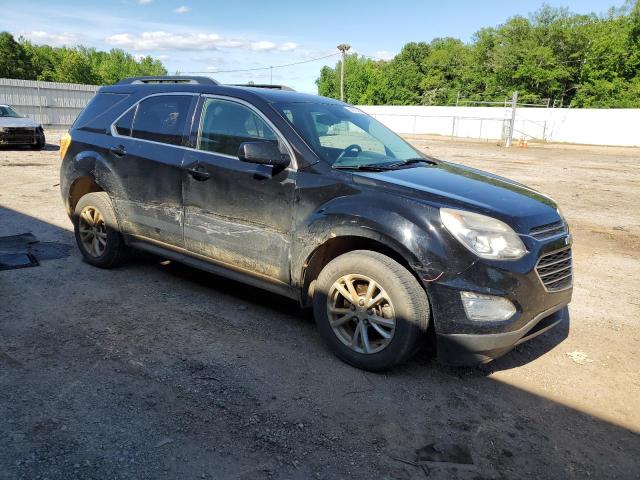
(16, 129)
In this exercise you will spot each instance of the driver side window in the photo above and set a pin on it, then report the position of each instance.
(224, 125)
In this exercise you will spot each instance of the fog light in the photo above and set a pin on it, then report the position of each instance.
(486, 307)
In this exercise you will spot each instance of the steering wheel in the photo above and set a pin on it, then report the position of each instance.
(353, 146)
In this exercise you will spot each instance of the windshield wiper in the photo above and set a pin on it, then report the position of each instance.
(372, 167)
(412, 161)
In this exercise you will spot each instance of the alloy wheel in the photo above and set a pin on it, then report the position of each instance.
(361, 313)
(93, 231)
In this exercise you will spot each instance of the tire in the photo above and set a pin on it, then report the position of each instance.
(111, 250)
(40, 145)
(407, 308)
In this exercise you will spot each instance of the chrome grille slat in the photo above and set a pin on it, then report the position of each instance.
(548, 230)
(555, 269)
(558, 279)
(555, 262)
(553, 272)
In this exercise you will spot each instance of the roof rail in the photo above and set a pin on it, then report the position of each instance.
(168, 79)
(263, 85)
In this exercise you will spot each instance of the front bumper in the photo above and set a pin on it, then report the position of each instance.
(462, 341)
(465, 349)
(21, 136)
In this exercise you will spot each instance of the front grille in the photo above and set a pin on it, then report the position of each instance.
(18, 135)
(555, 270)
(548, 230)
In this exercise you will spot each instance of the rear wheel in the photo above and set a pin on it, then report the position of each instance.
(97, 233)
(370, 310)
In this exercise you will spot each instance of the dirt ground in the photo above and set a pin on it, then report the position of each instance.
(156, 370)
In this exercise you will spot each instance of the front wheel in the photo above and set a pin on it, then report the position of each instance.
(39, 145)
(370, 310)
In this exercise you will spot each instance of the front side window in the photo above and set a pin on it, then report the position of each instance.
(224, 125)
(345, 136)
(162, 118)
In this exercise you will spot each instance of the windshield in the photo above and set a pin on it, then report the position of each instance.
(8, 112)
(344, 136)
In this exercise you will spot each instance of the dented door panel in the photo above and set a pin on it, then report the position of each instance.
(148, 197)
(241, 215)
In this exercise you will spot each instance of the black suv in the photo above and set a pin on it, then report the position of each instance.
(313, 199)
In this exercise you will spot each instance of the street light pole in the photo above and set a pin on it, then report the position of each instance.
(343, 47)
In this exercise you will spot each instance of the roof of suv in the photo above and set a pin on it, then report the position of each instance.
(270, 95)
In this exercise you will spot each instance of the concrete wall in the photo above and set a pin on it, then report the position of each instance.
(49, 103)
(586, 126)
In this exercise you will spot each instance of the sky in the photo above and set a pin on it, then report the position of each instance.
(217, 36)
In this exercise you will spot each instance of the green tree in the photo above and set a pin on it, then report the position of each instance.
(551, 55)
(25, 60)
(14, 61)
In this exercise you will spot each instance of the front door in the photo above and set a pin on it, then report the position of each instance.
(146, 162)
(237, 214)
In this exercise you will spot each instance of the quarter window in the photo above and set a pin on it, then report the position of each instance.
(224, 125)
(123, 126)
(162, 118)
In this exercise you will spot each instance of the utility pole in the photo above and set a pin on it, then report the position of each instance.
(271, 75)
(343, 47)
(512, 121)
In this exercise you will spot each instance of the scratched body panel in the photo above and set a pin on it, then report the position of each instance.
(241, 213)
(150, 197)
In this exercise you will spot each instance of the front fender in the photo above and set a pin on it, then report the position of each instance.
(410, 228)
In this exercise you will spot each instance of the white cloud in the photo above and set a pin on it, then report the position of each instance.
(144, 2)
(49, 38)
(182, 9)
(288, 46)
(165, 41)
(262, 46)
(161, 40)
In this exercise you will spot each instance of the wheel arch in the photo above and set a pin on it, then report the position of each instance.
(80, 187)
(340, 244)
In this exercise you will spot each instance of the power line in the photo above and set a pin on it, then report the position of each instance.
(267, 68)
(428, 65)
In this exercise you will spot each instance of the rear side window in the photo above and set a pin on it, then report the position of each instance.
(162, 118)
(93, 113)
(124, 124)
(224, 125)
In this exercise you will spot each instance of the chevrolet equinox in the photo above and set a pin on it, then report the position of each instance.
(311, 198)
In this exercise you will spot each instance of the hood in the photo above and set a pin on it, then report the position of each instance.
(17, 122)
(455, 186)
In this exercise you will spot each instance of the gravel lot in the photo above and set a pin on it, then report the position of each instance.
(157, 370)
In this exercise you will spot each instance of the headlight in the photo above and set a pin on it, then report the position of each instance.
(485, 236)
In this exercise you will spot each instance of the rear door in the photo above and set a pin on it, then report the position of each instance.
(146, 156)
(236, 213)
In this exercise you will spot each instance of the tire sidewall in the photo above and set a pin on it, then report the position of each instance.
(103, 205)
(409, 322)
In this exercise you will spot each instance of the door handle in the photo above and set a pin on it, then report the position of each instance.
(118, 151)
(199, 173)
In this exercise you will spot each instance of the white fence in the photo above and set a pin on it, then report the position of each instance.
(53, 103)
(49, 103)
(619, 127)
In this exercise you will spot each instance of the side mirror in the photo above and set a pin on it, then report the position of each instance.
(263, 153)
